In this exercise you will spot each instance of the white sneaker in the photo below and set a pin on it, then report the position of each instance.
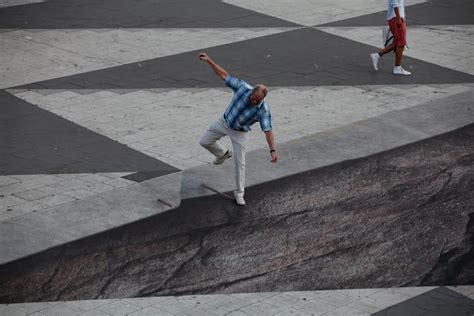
(239, 198)
(375, 60)
(220, 160)
(398, 70)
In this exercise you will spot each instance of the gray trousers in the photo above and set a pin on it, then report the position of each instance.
(209, 140)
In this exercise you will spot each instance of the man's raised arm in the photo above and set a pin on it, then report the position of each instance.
(217, 69)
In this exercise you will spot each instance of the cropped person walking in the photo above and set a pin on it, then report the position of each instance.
(396, 22)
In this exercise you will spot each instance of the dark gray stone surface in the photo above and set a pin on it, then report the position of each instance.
(433, 12)
(90, 14)
(303, 57)
(35, 141)
(387, 220)
(438, 302)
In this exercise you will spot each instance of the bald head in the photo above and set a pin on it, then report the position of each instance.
(259, 92)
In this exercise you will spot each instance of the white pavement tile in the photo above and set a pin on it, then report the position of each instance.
(317, 306)
(6, 180)
(263, 309)
(175, 306)
(98, 187)
(346, 311)
(119, 308)
(95, 313)
(63, 309)
(94, 178)
(10, 200)
(119, 182)
(151, 311)
(87, 305)
(32, 195)
(56, 200)
(145, 301)
(228, 303)
(293, 312)
(10, 311)
(28, 307)
(79, 193)
(283, 299)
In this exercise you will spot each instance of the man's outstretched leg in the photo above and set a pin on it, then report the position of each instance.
(209, 141)
(239, 140)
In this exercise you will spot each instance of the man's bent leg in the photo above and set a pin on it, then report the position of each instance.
(210, 138)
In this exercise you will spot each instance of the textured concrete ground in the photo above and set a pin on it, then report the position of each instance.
(103, 105)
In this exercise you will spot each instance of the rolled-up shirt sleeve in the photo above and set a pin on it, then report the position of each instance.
(233, 83)
(266, 121)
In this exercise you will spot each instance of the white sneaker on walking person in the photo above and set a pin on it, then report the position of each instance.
(239, 198)
(220, 160)
(398, 70)
(375, 60)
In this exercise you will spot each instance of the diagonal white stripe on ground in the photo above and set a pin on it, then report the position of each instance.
(167, 124)
(445, 45)
(35, 55)
(12, 3)
(310, 12)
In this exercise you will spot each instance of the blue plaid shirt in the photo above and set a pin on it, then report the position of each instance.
(240, 114)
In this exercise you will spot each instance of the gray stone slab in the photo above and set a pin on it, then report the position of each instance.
(373, 222)
(24, 236)
(276, 60)
(35, 141)
(91, 14)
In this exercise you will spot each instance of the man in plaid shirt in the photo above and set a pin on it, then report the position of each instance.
(246, 108)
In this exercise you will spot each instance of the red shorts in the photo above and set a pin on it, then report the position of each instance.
(399, 33)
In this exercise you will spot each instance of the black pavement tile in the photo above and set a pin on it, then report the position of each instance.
(35, 141)
(434, 12)
(302, 57)
(440, 302)
(61, 14)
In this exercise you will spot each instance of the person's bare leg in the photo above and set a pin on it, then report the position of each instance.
(386, 50)
(398, 55)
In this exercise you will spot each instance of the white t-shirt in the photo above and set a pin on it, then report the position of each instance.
(392, 4)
